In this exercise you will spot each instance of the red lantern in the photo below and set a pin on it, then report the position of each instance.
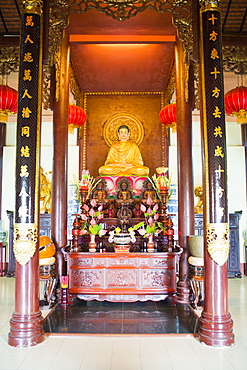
(8, 102)
(168, 115)
(236, 103)
(76, 117)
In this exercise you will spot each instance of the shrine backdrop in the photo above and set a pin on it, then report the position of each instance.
(101, 107)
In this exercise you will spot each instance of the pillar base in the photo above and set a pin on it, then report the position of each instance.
(183, 292)
(216, 331)
(26, 330)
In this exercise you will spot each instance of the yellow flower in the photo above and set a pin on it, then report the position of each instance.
(118, 230)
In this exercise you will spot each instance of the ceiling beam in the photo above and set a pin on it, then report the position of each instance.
(126, 39)
(234, 39)
(6, 41)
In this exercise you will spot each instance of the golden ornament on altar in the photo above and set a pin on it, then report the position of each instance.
(162, 178)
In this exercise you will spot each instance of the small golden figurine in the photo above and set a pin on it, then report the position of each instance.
(199, 193)
(45, 192)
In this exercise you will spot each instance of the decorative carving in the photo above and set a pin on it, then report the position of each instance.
(81, 262)
(46, 86)
(121, 278)
(170, 87)
(144, 262)
(57, 64)
(124, 9)
(162, 262)
(111, 126)
(196, 86)
(123, 262)
(86, 278)
(32, 6)
(157, 278)
(59, 14)
(74, 86)
(9, 60)
(25, 239)
(218, 244)
(235, 59)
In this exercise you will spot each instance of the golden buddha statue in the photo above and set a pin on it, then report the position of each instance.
(124, 157)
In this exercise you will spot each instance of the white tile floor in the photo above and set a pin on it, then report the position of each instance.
(125, 353)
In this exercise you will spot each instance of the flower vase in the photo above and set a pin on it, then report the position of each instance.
(150, 244)
(92, 244)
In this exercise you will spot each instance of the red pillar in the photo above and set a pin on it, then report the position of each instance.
(216, 326)
(60, 161)
(185, 171)
(26, 324)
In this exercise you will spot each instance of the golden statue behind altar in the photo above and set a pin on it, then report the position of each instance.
(199, 193)
(124, 157)
(45, 192)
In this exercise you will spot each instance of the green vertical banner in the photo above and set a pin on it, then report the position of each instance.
(217, 229)
(28, 132)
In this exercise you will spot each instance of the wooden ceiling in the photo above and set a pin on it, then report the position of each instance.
(132, 55)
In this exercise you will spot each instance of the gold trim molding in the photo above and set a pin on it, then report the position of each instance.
(218, 244)
(25, 239)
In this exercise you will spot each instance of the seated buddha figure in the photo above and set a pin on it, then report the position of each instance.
(124, 194)
(100, 192)
(148, 191)
(124, 157)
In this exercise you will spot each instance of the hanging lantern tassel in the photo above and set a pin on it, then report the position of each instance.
(8, 102)
(168, 116)
(236, 103)
(76, 117)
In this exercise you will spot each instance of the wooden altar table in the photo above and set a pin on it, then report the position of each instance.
(123, 277)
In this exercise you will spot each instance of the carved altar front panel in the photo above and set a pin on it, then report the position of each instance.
(122, 276)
